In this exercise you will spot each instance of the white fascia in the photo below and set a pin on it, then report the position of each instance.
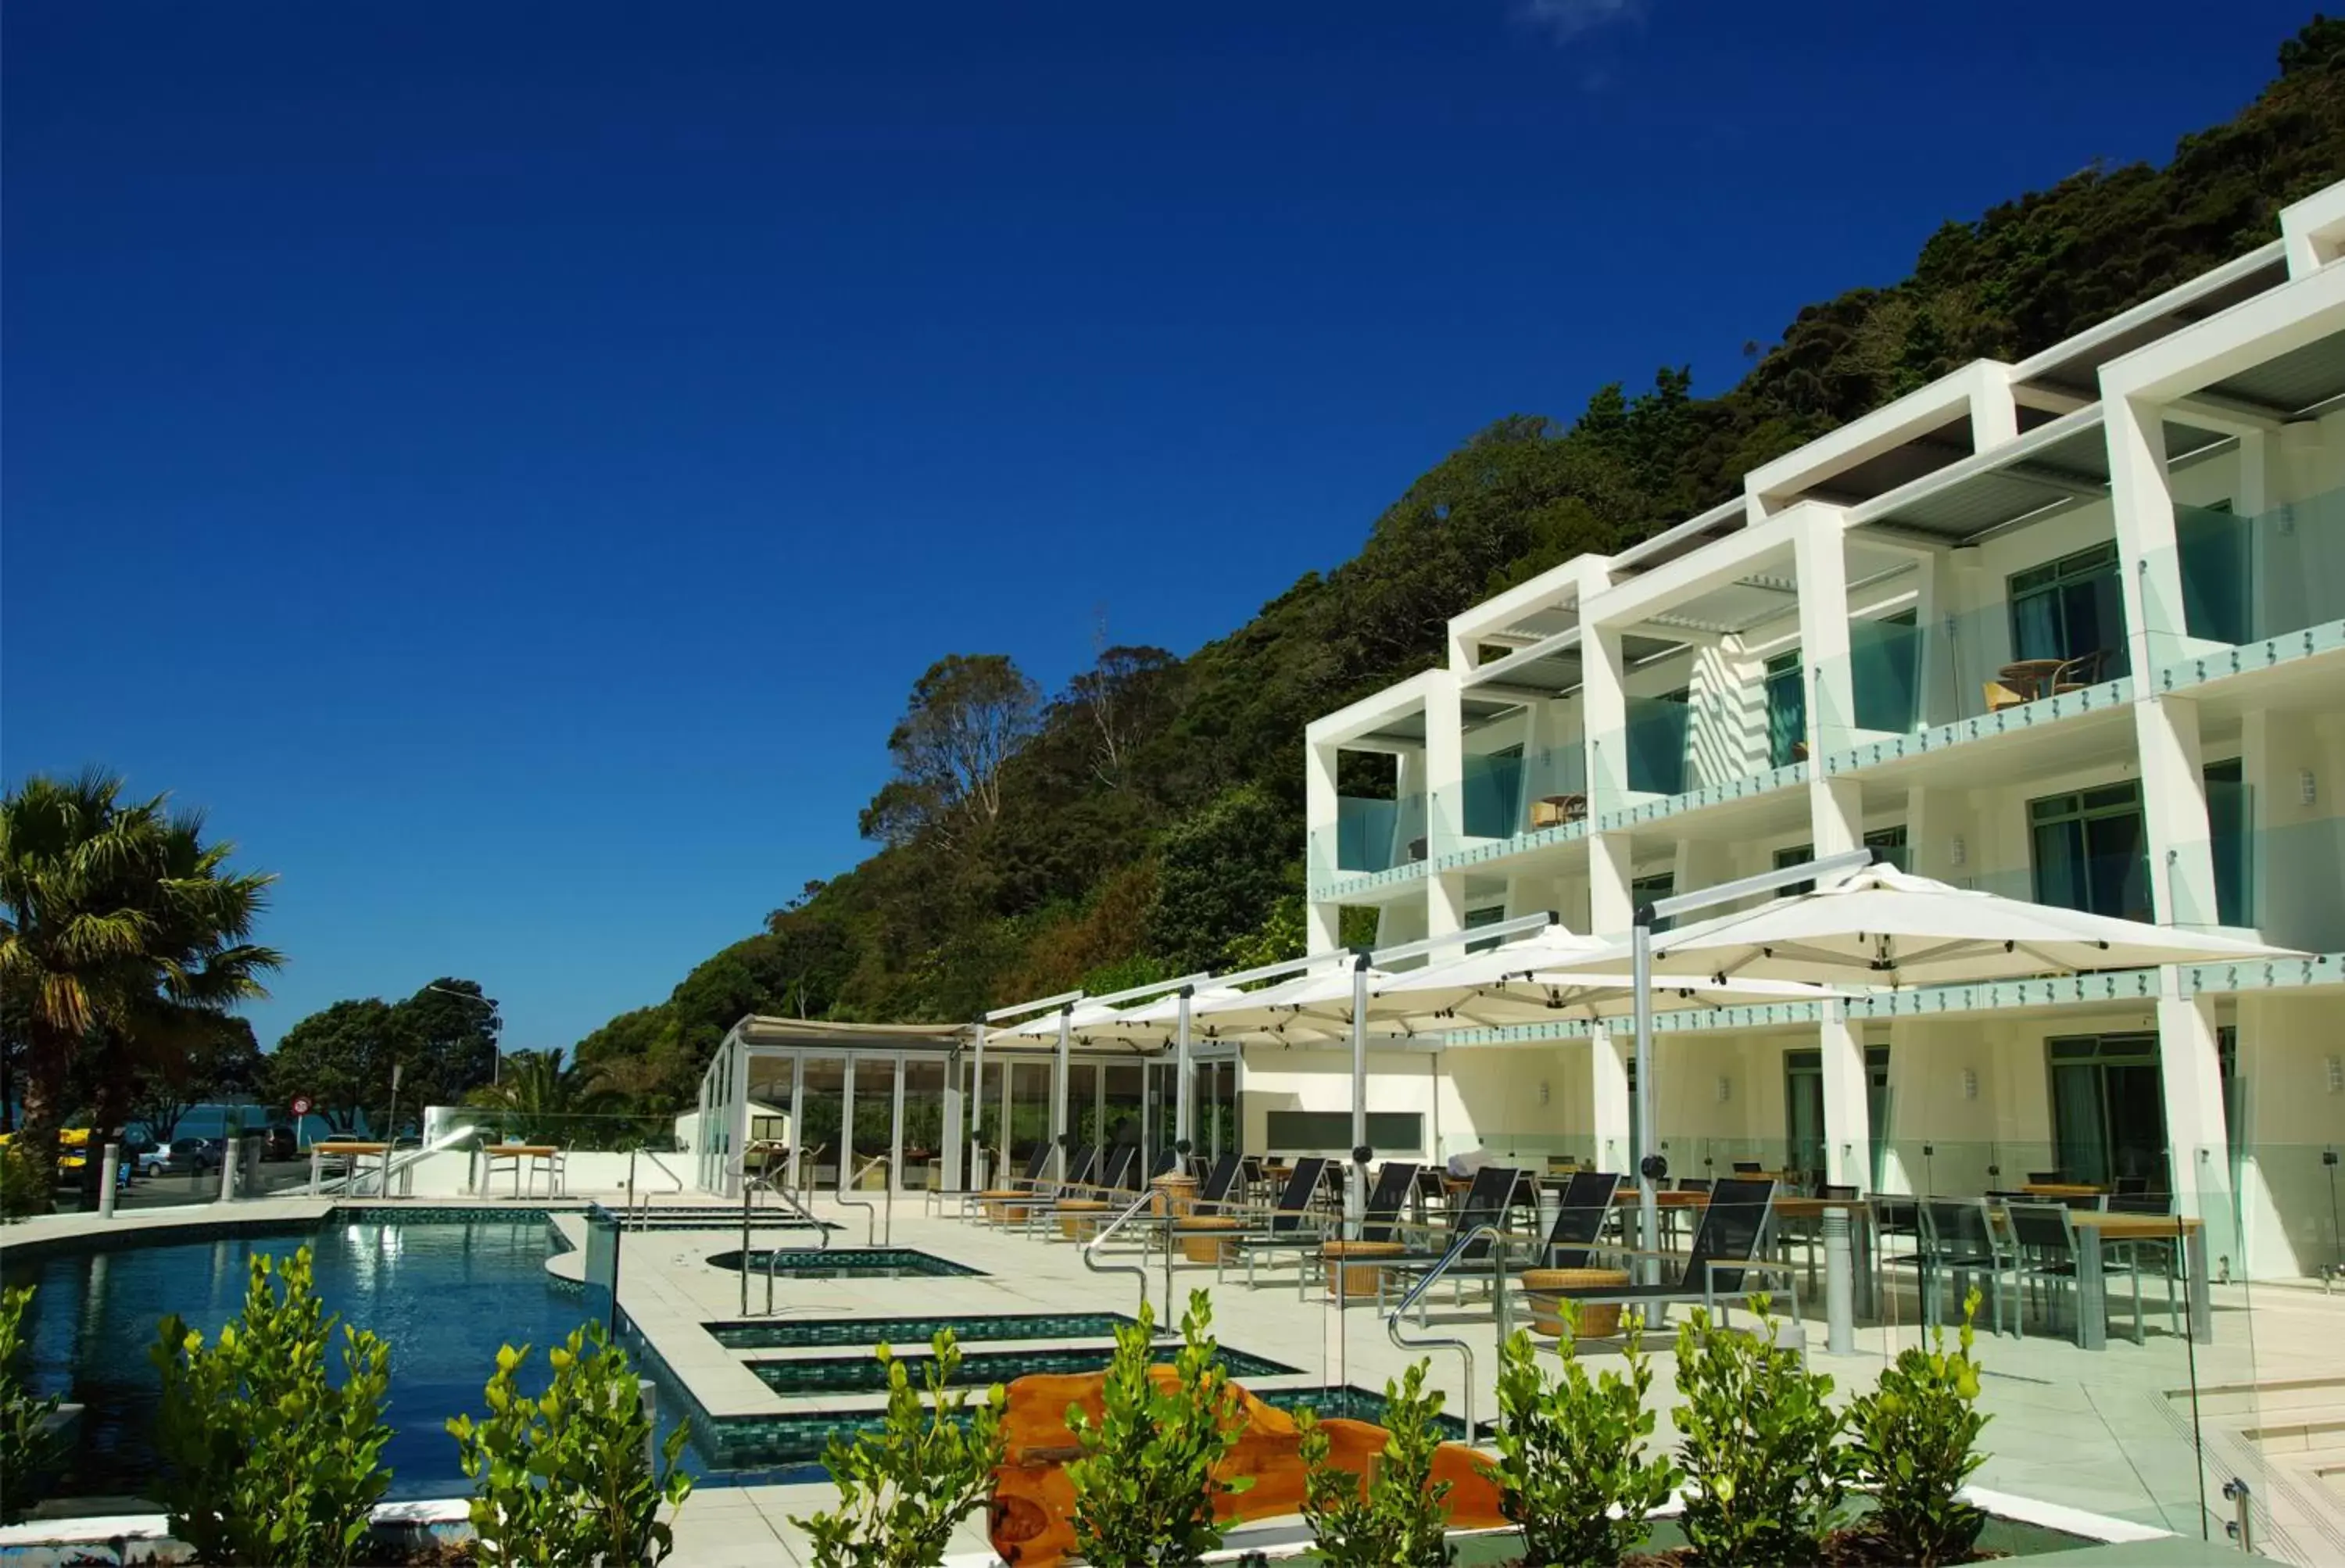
(2250, 334)
(2050, 433)
(2312, 232)
(1980, 391)
(2149, 311)
(1555, 589)
(1344, 727)
(1712, 567)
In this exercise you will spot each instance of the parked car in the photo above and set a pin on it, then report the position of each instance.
(188, 1155)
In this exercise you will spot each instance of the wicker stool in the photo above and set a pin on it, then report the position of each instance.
(1206, 1239)
(1174, 1193)
(1347, 1279)
(1003, 1207)
(1598, 1320)
(1079, 1216)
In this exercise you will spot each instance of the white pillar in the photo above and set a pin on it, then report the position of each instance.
(1848, 1114)
(2174, 811)
(1836, 814)
(1059, 1087)
(1444, 764)
(736, 1117)
(2190, 1076)
(949, 1139)
(1445, 910)
(976, 1110)
(1183, 1109)
(1322, 816)
(1611, 874)
(1608, 1085)
(2149, 567)
(1820, 563)
(1604, 716)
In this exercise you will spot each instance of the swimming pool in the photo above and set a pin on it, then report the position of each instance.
(446, 1295)
(861, 1374)
(848, 1263)
(902, 1332)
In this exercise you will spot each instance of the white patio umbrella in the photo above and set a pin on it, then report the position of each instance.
(1881, 926)
(1875, 924)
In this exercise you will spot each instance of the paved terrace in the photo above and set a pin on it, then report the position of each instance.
(2107, 1432)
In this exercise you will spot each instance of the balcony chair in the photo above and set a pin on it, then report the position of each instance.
(1558, 811)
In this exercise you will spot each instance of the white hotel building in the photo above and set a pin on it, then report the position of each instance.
(2071, 629)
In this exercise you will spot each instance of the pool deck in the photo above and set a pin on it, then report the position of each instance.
(2102, 1432)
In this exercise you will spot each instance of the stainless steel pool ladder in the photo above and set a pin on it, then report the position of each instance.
(871, 1226)
(1101, 1238)
(750, 1186)
(1451, 1259)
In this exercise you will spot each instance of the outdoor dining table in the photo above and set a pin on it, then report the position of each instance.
(2031, 677)
(2060, 1189)
(356, 1153)
(521, 1155)
(2096, 1228)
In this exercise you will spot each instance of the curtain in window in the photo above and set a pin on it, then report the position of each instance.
(2035, 626)
(2079, 1122)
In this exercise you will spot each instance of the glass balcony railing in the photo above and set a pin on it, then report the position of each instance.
(1721, 741)
(1905, 675)
(1370, 837)
(1507, 794)
(2251, 579)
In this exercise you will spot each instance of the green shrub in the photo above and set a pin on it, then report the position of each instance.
(1145, 1487)
(267, 1461)
(564, 1479)
(23, 1189)
(1916, 1437)
(1572, 1471)
(1757, 1438)
(30, 1449)
(1396, 1520)
(904, 1488)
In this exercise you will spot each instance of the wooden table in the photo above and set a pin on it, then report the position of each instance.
(520, 1154)
(2062, 1189)
(355, 1152)
(2030, 677)
(2098, 1228)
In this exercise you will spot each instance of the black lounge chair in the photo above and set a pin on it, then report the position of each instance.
(1162, 1163)
(1285, 1228)
(1726, 1248)
(937, 1196)
(1379, 1220)
(1582, 1209)
(1212, 1193)
(1015, 1188)
(1485, 1204)
(1080, 1161)
(1103, 1183)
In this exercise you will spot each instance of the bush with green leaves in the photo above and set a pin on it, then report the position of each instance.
(1145, 1487)
(1915, 1444)
(30, 1447)
(1395, 1516)
(266, 1458)
(1573, 1474)
(902, 1490)
(23, 1189)
(564, 1479)
(1758, 1439)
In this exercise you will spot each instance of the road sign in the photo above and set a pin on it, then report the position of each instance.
(301, 1105)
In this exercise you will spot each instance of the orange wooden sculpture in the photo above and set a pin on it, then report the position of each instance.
(1032, 1517)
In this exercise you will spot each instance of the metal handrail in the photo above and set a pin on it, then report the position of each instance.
(750, 1186)
(871, 1226)
(1393, 1319)
(1092, 1246)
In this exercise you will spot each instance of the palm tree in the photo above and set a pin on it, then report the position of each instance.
(119, 928)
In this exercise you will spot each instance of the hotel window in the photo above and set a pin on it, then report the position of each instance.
(1890, 841)
(2071, 608)
(2108, 1116)
(1652, 890)
(2089, 853)
(1488, 915)
(1787, 710)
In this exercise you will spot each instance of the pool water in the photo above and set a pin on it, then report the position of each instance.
(837, 1374)
(445, 1296)
(901, 1332)
(847, 1263)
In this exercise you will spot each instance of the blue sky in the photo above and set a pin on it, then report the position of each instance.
(508, 463)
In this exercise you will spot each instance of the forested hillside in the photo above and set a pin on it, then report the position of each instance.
(1148, 820)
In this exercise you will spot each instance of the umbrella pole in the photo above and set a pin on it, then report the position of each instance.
(974, 1177)
(1183, 1112)
(1651, 1167)
(1059, 1099)
(1357, 1196)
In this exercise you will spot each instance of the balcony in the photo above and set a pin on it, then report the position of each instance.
(1375, 842)
(1703, 746)
(1513, 800)
(2257, 591)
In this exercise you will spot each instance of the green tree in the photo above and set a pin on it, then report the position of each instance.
(452, 1027)
(967, 714)
(121, 927)
(340, 1057)
(216, 1056)
(1220, 874)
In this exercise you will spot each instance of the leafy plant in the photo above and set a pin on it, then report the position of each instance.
(1757, 1436)
(566, 1480)
(1397, 1517)
(29, 1447)
(904, 1488)
(1916, 1437)
(1572, 1471)
(267, 1461)
(1145, 1487)
(23, 1189)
